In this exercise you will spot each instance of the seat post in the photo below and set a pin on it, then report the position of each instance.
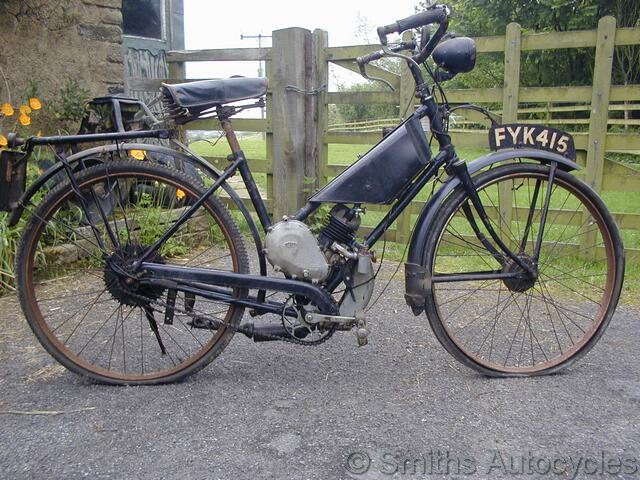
(230, 134)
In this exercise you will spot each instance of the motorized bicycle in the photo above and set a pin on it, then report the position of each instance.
(153, 288)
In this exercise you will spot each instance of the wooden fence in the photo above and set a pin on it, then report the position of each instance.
(297, 131)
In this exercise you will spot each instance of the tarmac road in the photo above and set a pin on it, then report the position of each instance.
(399, 408)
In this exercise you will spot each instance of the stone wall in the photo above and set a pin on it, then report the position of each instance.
(49, 41)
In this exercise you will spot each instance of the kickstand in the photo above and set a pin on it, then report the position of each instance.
(154, 326)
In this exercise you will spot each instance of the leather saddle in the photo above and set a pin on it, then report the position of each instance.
(186, 101)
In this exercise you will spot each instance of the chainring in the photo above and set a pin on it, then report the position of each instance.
(299, 329)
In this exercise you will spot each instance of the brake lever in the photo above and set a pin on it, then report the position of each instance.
(363, 72)
(407, 58)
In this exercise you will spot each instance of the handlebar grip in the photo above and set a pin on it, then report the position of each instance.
(370, 57)
(437, 14)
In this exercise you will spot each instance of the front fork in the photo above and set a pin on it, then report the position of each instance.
(503, 252)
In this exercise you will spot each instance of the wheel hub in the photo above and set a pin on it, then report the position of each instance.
(124, 285)
(525, 280)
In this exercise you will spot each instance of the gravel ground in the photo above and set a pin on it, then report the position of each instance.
(400, 407)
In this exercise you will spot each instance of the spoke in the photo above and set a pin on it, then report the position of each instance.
(560, 210)
(575, 254)
(545, 210)
(553, 325)
(495, 323)
(124, 213)
(490, 332)
(512, 340)
(72, 230)
(559, 316)
(532, 209)
(115, 311)
(478, 248)
(92, 304)
(141, 343)
(78, 310)
(532, 334)
(508, 302)
(562, 309)
(78, 245)
(115, 332)
(124, 348)
(166, 330)
(98, 331)
(502, 220)
(567, 274)
(465, 295)
(569, 288)
(73, 295)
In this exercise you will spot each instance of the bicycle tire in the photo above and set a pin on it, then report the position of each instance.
(450, 332)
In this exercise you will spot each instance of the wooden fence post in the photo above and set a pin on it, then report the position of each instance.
(510, 100)
(407, 101)
(317, 115)
(288, 84)
(178, 71)
(269, 138)
(599, 118)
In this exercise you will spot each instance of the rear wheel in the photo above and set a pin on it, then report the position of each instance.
(535, 324)
(88, 312)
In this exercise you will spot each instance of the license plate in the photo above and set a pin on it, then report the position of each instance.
(521, 135)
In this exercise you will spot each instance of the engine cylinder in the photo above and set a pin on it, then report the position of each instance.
(341, 227)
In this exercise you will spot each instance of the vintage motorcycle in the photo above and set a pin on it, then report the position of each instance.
(133, 272)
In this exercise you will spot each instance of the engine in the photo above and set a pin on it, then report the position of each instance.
(292, 248)
(341, 227)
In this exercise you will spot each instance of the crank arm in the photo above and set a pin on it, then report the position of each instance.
(316, 318)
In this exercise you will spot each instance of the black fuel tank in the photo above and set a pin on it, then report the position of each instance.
(383, 172)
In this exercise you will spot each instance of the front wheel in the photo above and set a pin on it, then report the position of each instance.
(532, 324)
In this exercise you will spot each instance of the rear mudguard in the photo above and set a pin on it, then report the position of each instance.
(417, 280)
(94, 153)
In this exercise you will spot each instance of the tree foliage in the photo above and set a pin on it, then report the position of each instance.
(554, 67)
(361, 112)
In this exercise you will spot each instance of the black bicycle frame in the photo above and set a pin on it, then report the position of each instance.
(202, 281)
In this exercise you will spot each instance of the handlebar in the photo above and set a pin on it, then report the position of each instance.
(14, 141)
(435, 14)
(381, 53)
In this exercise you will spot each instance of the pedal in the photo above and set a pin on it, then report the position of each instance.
(362, 333)
(202, 323)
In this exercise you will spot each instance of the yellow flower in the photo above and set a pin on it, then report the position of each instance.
(25, 109)
(3, 141)
(180, 194)
(24, 119)
(6, 109)
(35, 104)
(137, 154)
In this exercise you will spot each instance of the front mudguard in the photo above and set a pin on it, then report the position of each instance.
(92, 153)
(417, 281)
